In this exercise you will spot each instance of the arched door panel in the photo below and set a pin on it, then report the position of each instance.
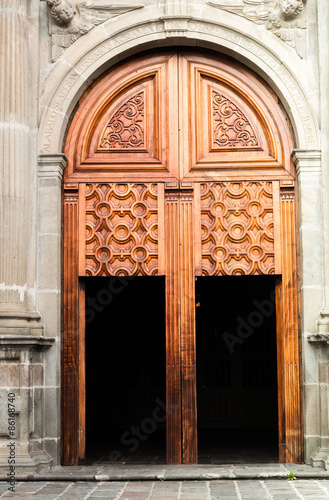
(234, 127)
(127, 123)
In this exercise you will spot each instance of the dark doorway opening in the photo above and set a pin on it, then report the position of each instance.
(125, 370)
(236, 369)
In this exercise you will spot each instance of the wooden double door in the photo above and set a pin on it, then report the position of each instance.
(179, 166)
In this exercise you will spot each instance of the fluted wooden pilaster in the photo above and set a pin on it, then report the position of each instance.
(188, 339)
(173, 362)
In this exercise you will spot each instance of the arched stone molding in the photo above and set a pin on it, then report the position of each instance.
(107, 44)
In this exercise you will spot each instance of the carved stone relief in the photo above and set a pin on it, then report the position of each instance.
(70, 20)
(121, 229)
(285, 18)
(237, 228)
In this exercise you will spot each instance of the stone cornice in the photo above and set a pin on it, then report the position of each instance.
(26, 341)
(51, 165)
(22, 323)
(307, 160)
(318, 338)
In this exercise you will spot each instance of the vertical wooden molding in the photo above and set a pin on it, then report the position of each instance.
(82, 371)
(291, 384)
(70, 359)
(161, 230)
(82, 229)
(280, 371)
(277, 227)
(197, 230)
(173, 366)
(188, 335)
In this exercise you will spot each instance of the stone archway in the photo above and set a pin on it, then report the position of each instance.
(83, 62)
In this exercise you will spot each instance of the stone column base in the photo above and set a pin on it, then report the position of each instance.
(21, 323)
(23, 394)
(320, 458)
(27, 463)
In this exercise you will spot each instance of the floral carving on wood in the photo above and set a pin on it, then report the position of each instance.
(68, 20)
(237, 228)
(231, 128)
(285, 18)
(125, 129)
(121, 229)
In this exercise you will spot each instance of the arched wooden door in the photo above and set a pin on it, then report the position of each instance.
(179, 165)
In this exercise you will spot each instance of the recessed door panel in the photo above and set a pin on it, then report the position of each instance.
(230, 128)
(127, 123)
(122, 226)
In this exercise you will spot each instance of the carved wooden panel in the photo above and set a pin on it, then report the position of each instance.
(237, 228)
(121, 229)
(126, 127)
(230, 128)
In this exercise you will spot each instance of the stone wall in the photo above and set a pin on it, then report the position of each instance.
(23, 338)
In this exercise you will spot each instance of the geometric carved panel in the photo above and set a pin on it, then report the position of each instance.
(231, 128)
(125, 129)
(237, 228)
(121, 229)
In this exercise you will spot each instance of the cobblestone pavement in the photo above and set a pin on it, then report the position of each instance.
(173, 490)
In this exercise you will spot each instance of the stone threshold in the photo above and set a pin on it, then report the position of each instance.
(172, 473)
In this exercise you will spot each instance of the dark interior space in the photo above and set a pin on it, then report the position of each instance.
(236, 369)
(125, 370)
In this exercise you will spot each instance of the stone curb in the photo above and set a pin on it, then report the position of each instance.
(91, 477)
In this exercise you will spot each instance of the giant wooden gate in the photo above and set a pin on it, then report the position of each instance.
(179, 165)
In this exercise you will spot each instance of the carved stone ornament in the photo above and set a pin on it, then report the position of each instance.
(70, 20)
(285, 18)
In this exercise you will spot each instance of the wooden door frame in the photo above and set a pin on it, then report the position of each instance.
(289, 348)
(178, 205)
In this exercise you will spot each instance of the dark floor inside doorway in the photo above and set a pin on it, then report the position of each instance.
(219, 447)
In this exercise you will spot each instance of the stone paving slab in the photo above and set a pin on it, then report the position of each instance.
(268, 489)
